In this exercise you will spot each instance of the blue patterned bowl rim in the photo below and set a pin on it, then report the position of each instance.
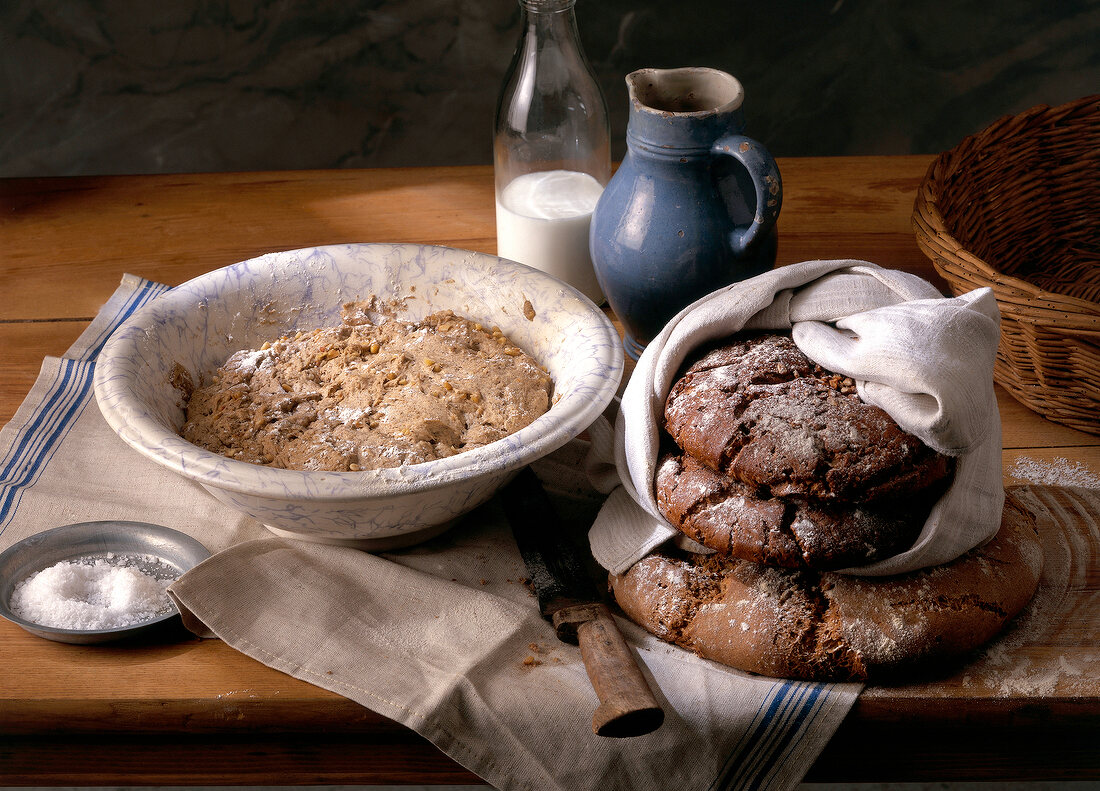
(198, 323)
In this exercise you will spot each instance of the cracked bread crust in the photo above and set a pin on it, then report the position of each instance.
(823, 626)
(731, 517)
(756, 408)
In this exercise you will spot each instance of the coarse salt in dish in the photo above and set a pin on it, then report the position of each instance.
(110, 592)
(96, 582)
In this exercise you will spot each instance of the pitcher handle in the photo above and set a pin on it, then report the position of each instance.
(765, 178)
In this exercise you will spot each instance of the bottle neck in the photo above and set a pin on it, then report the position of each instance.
(551, 20)
(550, 115)
(547, 6)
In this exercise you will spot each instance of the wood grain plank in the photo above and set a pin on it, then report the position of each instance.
(74, 238)
(171, 228)
(312, 758)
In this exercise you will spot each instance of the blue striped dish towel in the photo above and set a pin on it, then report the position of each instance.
(63, 390)
(444, 637)
(61, 463)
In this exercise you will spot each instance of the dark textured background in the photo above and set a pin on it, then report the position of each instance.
(133, 86)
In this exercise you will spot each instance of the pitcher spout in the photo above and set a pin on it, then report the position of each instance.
(682, 111)
(691, 91)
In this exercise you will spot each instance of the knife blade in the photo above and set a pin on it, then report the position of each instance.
(570, 601)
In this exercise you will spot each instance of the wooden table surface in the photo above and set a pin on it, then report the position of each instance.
(191, 712)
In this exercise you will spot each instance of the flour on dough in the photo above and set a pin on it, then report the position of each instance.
(370, 393)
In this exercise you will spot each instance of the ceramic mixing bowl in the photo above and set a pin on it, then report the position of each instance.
(197, 325)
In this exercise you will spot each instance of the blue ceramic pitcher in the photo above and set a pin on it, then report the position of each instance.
(693, 206)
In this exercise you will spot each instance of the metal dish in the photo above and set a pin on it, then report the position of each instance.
(174, 549)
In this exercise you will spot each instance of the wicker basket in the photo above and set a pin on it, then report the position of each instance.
(1016, 207)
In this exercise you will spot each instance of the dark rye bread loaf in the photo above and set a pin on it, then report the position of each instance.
(730, 517)
(830, 627)
(756, 408)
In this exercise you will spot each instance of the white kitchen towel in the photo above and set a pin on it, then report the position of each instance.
(445, 637)
(925, 359)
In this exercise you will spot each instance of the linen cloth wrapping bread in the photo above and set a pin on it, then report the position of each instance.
(434, 637)
(924, 359)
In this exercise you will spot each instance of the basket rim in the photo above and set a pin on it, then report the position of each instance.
(937, 242)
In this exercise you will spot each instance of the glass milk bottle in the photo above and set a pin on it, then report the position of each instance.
(551, 148)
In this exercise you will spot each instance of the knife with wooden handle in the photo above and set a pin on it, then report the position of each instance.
(569, 600)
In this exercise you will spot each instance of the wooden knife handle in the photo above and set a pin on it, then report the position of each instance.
(627, 706)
